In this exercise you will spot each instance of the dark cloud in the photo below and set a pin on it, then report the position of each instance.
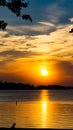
(12, 55)
(30, 45)
(1, 44)
(18, 54)
(5, 61)
(66, 67)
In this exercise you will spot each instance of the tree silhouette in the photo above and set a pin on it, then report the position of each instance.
(3, 24)
(15, 6)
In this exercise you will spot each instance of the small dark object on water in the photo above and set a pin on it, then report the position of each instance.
(13, 126)
(16, 102)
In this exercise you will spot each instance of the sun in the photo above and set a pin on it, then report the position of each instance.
(44, 72)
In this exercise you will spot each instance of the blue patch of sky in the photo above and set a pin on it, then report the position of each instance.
(66, 5)
(37, 11)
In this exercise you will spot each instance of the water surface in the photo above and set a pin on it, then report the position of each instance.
(36, 108)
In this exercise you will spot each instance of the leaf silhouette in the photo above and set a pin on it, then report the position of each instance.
(15, 6)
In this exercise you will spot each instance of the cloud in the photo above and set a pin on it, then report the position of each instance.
(56, 43)
(66, 72)
(55, 12)
(12, 55)
(65, 67)
(46, 39)
(1, 44)
(47, 24)
(71, 19)
(33, 30)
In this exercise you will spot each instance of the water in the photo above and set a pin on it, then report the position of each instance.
(36, 108)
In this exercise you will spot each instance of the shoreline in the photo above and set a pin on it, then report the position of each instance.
(39, 128)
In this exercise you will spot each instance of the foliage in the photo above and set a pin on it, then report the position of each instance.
(15, 6)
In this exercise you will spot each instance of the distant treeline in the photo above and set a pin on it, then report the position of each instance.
(12, 86)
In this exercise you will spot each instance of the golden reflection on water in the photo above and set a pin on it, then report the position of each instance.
(44, 103)
(38, 113)
(47, 108)
(44, 114)
(28, 114)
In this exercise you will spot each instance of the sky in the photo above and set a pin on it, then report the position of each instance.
(27, 49)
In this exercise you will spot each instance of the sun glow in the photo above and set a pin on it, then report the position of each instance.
(44, 72)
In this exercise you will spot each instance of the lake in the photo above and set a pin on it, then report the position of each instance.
(36, 108)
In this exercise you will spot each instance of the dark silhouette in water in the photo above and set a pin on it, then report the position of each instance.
(16, 102)
(13, 126)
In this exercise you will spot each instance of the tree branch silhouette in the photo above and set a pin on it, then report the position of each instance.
(15, 6)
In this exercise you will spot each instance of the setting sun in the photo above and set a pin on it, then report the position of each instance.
(44, 72)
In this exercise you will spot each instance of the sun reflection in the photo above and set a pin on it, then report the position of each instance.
(47, 109)
(44, 103)
(44, 114)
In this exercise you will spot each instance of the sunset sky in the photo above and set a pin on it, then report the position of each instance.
(41, 51)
